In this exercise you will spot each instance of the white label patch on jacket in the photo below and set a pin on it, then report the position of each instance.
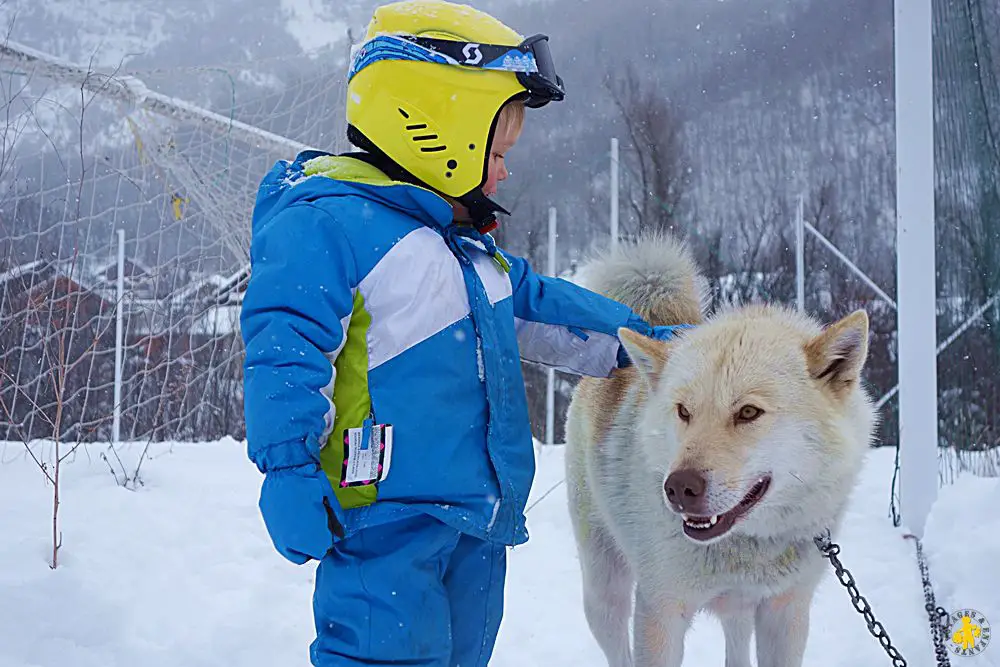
(366, 462)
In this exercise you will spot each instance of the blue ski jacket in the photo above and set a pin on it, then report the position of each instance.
(367, 305)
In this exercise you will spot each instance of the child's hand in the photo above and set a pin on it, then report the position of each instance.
(639, 325)
(662, 333)
(298, 509)
(667, 332)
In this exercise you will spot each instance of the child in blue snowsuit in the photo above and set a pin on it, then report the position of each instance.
(384, 333)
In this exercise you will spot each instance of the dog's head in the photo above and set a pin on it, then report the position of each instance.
(756, 419)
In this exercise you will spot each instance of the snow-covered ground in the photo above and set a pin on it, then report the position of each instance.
(181, 572)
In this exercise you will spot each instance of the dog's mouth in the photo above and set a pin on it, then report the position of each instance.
(707, 528)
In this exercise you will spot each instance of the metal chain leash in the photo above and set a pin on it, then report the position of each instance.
(937, 615)
(830, 550)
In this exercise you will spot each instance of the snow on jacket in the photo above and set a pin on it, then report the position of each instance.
(367, 301)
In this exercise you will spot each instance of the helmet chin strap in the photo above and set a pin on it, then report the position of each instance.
(482, 209)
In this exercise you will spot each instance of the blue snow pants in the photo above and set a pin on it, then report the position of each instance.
(412, 592)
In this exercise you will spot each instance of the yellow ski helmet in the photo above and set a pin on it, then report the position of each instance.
(426, 87)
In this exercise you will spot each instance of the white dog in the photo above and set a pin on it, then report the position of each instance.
(699, 477)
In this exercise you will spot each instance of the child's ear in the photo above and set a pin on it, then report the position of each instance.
(648, 355)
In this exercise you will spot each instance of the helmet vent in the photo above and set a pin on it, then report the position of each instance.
(422, 133)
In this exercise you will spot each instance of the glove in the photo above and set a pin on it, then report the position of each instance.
(639, 325)
(668, 332)
(301, 512)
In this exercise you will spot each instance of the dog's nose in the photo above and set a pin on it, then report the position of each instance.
(685, 489)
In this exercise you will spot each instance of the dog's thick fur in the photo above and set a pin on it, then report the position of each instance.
(751, 393)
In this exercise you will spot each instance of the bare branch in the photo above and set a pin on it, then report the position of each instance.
(655, 152)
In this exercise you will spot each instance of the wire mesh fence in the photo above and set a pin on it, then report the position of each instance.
(82, 160)
(967, 157)
(60, 299)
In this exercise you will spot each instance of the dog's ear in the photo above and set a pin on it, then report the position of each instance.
(648, 355)
(836, 356)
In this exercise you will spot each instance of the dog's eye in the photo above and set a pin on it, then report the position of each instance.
(748, 413)
(683, 413)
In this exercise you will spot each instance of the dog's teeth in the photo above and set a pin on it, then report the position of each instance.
(700, 525)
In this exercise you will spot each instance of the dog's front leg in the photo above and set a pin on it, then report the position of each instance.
(738, 629)
(782, 628)
(660, 626)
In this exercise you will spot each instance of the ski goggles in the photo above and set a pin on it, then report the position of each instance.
(531, 61)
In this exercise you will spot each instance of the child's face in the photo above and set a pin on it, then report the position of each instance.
(503, 141)
(497, 171)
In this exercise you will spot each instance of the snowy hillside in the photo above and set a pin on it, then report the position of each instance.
(178, 33)
(737, 73)
(181, 571)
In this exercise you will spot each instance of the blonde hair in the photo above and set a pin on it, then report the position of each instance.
(511, 119)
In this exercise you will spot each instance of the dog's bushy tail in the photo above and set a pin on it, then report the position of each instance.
(655, 275)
